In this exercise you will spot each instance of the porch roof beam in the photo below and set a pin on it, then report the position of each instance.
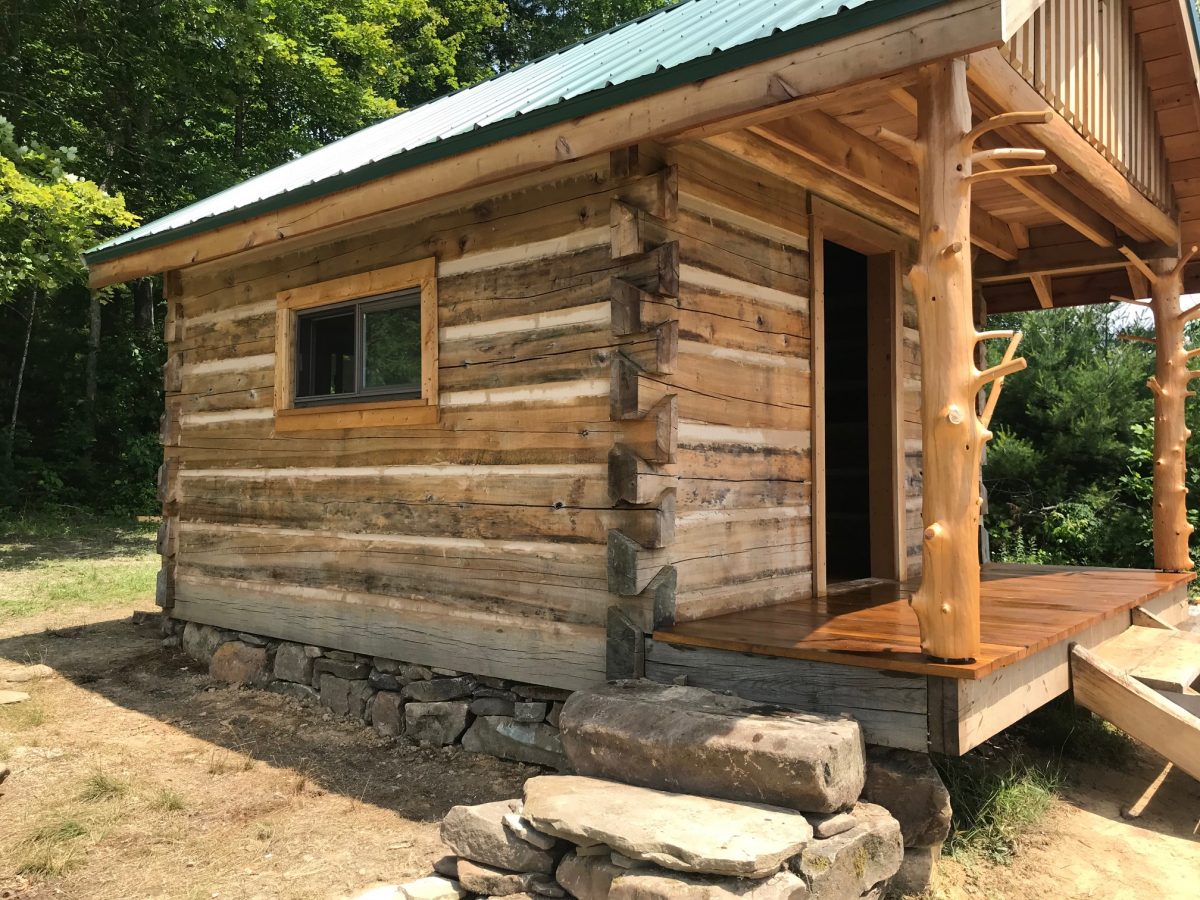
(1047, 193)
(823, 140)
(1091, 175)
(1054, 259)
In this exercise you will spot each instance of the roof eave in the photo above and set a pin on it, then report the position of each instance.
(987, 29)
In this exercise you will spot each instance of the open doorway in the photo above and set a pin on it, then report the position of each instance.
(847, 435)
(859, 504)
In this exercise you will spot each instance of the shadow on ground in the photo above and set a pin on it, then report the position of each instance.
(127, 666)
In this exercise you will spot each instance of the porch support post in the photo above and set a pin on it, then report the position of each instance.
(953, 432)
(1170, 386)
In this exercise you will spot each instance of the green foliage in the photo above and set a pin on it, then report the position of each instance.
(1068, 474)
(167, 103)
(48, 216)
(995, 803)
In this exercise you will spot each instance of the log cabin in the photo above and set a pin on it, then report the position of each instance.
(661, 356)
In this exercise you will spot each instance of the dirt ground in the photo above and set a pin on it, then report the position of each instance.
(135, 776)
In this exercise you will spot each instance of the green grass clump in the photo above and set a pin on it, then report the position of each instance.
(168, 801)
(52, 849)
(100, 786)
(995, 804)
(55, 562)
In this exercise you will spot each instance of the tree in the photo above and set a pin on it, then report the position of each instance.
(1068, 472)
(533, 29)
(47, 218)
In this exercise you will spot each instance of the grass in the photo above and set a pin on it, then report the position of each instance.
(995, 803)
(100, 786)
(53, 849)
(168, 800)
(22, 716)
(54, 562)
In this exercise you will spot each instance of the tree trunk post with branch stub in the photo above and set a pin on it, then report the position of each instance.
(953, 432)
(1170, 385)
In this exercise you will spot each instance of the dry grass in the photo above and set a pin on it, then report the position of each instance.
(135, 776)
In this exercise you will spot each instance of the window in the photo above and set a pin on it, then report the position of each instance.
(358, 351)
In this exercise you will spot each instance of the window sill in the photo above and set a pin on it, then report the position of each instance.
(377, 414)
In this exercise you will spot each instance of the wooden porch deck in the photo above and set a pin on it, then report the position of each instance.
(1024, 609)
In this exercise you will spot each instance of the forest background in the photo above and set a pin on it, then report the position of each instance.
(114, 112)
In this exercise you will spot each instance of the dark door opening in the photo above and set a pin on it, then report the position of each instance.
(847, 415)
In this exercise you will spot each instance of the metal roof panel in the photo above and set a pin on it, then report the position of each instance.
(658, 42)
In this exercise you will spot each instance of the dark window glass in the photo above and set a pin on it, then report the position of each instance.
(327, 368)
(365, 348)
(391, 341)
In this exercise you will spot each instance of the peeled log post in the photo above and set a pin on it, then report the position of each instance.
(1170, 386)
(953, 434)
(1171, 376)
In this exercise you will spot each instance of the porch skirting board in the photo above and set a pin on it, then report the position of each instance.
(891, 707)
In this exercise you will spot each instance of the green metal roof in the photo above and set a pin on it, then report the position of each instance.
(677, 45)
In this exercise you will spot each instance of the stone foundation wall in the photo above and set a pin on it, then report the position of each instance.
(428, 706)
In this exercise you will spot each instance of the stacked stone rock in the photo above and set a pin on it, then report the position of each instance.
(681, 793)
(510, 720)
(426, 705)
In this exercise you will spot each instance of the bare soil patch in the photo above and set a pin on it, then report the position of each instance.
(136, 776)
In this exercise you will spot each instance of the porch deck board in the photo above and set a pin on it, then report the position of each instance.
(1024, 609)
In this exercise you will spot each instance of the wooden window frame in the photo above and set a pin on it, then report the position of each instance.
(885, 251)
(422, 410)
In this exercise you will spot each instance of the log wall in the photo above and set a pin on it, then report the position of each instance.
(625, 420)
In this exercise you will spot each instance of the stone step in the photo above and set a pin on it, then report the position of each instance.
(680, 832)
(691, 740)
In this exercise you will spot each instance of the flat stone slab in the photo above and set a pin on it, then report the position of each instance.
(675, 831)
(7, 697)
(694, 741)
(478, 833)
(655, 884)
(432, 888)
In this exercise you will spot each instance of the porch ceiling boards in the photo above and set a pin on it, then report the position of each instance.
(1024, 609)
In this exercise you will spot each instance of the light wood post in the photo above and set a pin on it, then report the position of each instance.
(1170, 386)
(953, 433)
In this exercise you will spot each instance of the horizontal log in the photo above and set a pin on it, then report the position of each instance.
(555, 654)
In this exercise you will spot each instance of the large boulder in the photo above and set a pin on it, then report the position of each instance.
(237, 663)
(852, 862)
(655, 884)
(675, 831)
(478, 833)
(539, 744)
(907, 785)
(691, 740)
